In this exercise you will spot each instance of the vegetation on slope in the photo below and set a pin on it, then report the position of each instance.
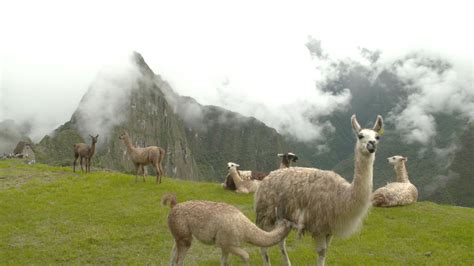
(53, 216)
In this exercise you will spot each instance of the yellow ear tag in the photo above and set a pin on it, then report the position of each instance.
(381, 131)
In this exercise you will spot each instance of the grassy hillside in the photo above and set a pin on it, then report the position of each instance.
(50, 215)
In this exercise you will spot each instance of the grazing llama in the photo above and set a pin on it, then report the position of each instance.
(320, 202)
(215, 223)
(398, 193)
(85, 152)
(143, 156)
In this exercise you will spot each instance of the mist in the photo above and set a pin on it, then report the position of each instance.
(103, 106)
(247, 57)
(434, 87)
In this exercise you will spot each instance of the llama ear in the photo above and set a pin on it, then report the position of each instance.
(378, 124)
(97, 136)
(355, 125)
(280, 155)
(405, 159)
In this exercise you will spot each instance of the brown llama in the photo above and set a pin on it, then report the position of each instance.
(219, 224)
(85, 152)
(143, 156)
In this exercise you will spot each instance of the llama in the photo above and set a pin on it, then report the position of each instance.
(320, 202)
(398, 193)
(286, 160)
(143, 156)
(215, 223)
(85, 152)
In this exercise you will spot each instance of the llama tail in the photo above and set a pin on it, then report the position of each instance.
(379, 200)
(169, 199)
(162, 154)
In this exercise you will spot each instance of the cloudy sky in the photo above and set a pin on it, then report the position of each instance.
(214, 51)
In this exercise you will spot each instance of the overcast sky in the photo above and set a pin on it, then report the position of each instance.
(50, 51)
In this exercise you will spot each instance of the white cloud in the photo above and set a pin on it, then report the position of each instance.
(434, 87)
(52, 50)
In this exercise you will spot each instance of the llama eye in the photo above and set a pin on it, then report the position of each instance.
(377, 137)
(361, 136)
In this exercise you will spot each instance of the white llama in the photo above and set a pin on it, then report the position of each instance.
(322, 203)
(399, 193)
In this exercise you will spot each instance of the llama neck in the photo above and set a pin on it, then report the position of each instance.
(284, 164)
(92, 151)
(401, 171)
(128, 143)
(235, 176)
(363, 175)
(261, 238)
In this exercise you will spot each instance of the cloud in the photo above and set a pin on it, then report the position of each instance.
(104, 105)
(51, 54)
(434, 87)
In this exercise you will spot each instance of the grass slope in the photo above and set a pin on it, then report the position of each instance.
(50, 215)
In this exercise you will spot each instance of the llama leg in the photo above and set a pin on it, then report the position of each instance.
(162, 172)
(328, 241)
(321, 248)
(81, 164)
(158, 174)
(241, 253)
(74, 164)
(182, 248)
(137, 167)
(143, 171)
(265, 257)
(225, 255)
(173, 255)
(284, 253)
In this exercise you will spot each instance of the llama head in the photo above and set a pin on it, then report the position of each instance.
(289, 156)
(123, 135)
(367, 139)
(94, 139)
(292, 157)
(394, 160)
(232, 165)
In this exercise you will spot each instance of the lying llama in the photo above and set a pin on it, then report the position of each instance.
(85, 152)
(219, 224)
(143, 156)
(286, 160)
(320, 202)
(399, 193)
(242, 185)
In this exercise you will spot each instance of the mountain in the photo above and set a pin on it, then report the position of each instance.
(199, 140)
(456, 186)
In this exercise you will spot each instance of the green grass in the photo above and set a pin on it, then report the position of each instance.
(50, 215)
